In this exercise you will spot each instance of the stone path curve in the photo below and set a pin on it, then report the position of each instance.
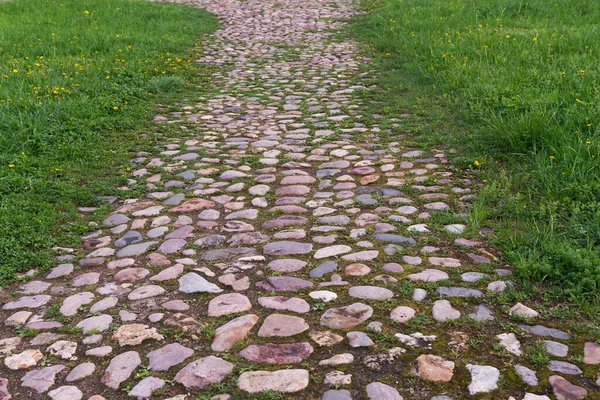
(284, 244)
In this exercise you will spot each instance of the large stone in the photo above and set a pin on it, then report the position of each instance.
(402, 314)
(527, 375)
(359, 339)
(66, 393)
(193, 205)
(286, 353)
(286, 247)
(325, 338)
(144, 292)
(40, 380)
(381, 391)
(458, 292)
(556, 349)
(229, 254)
(531, 396)
(341, 394)
(194, 283)
(145, 387)
(285, 381)
(337, 378)
(565, 390)
(228, 304)
(541, 330)
(63, 348)
(34, 287)
(134, 334)
(120, 369)
(484, 378)
(28, 302)
(282, 325)
(591, 353)
(135, 249)
(23, 360)
(98, 323)
(9, 344)
(434, 368)
(482, 314)
(204, 371)
(104, 304)
(81, 371)
(510, 342)
(564, 367)
(287, 265)
(284, 284)
(522, 310)
(346, 317)
(370, 293)
(443, 311)
(338, 359)
(429, 275)
(324, 268)
(233, 331)
(332, 251)
(168, 356)
(293, 304)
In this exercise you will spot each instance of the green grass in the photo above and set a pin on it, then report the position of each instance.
(78, 84)
(515, 85)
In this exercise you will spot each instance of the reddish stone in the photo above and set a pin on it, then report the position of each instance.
(235, 330)
(277, 353)
(193, 205)
(565, 390)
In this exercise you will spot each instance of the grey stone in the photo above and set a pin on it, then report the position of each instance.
(540, 330)
(458, 292)
(194, 283)
(120, 369)
(381, 391)
(341, 394)
(528, 376)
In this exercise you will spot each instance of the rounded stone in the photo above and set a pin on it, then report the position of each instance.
(402, 314)
(282, 325)
(228, 304)
(285, 381)
(346, 317)
(370, 293)
(286, 353)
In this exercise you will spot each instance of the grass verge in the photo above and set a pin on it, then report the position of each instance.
(78, 84)
(515, 85)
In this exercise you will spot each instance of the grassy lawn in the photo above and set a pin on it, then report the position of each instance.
(79, 81)
(515, 85)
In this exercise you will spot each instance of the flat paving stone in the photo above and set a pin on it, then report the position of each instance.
(204, 371)
(370, 293)
(285, 381)
(282, 325)
(347, 316)
(120, 369)
(293, 304)
(286, 353)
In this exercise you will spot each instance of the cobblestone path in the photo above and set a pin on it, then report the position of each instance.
(287, 242)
